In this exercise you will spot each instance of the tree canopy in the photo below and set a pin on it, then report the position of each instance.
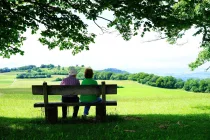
(64, 28)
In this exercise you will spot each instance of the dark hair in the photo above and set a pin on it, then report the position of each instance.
(88, 73)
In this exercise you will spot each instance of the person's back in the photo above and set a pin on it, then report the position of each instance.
(89, 98)
(70, 80)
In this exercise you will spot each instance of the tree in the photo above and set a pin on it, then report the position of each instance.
(203, 85)
(141, 77)
(59, 67)
(95, 75)
(43, 66)
(160, 82)
(208, 87)
(27, 67)
(80, 75)
(117, 76)
(179, 83)
(64, 27)
(51, 66)
(169, 82)
(147, 79)
(133, 77)
(5, 70)
(153, 80)
(192, 85)
(108, 75)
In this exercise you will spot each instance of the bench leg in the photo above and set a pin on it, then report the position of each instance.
(101, 112)
(51, 114)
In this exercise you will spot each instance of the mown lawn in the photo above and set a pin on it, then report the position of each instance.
(143, 112)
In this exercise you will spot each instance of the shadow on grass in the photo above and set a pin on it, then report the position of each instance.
(150, 126)
(120, 87)
(202, 107)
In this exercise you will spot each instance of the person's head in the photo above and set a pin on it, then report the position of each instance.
(88, 73)
(72, 72)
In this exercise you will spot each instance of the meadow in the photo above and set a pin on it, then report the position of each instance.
(143, 112)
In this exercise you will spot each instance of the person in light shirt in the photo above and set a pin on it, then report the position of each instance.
(70, 80)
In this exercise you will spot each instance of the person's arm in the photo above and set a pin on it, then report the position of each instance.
(82, 82)
(78, 83)
(96, 82)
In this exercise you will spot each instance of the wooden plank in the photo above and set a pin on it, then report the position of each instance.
(73, 90)
(101, 108)
(103, 91)
(54, 104)
(52, 115)
(101, 112)
(44, 91)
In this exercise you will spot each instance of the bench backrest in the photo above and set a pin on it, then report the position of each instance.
(46, 90)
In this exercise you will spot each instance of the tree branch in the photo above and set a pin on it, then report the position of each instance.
(103, 29)
(204, 34)
(99, 27)
(207, 68)
(154, 39)
(182, 43)
(104, 18)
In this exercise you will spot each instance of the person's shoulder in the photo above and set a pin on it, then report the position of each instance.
(64, 79)
(86, 80)
(93, 81)
(83, 81)
(63, 82)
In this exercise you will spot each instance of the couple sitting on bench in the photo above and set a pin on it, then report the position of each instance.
(71, 80)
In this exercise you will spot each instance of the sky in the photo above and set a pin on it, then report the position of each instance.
(111, 51)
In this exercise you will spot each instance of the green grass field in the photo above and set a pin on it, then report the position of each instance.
(143, 112)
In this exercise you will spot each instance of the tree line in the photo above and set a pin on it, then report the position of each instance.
(28, 67)
(170, 82)
(45, 71)
(33, 75)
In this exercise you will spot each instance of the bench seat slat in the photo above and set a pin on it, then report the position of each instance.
(54, 104)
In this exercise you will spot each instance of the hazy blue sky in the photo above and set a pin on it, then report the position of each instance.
(111, 51)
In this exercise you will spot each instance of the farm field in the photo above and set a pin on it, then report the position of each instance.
(143, 112)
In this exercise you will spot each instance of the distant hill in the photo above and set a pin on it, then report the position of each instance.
(194, 75)
(114, 70)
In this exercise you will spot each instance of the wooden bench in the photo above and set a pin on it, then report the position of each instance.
(51, 108)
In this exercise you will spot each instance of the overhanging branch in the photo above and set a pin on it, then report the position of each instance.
(99, 27)
(104, 18)
(154, 39)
